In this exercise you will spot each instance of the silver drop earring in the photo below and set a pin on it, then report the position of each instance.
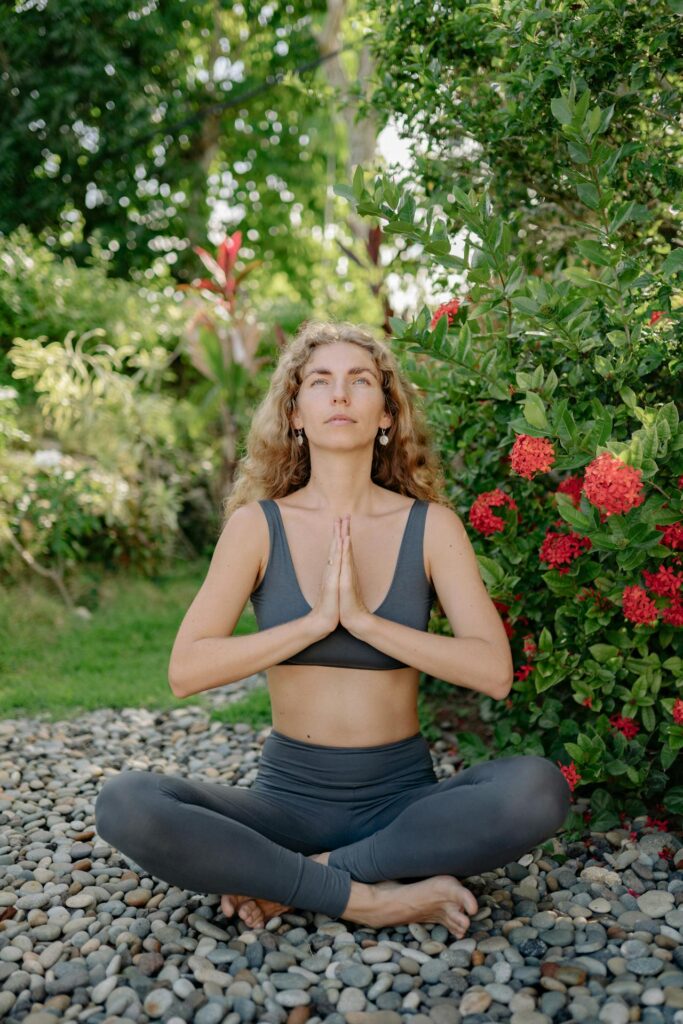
(383, 437)
(299, 435)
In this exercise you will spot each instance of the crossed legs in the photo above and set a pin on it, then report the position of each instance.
(208, 837)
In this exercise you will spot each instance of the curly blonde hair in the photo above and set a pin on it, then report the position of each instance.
(275, 465)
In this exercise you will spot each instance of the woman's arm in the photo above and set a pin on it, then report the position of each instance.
(205, 654)
(464, 661)
(216, 660)
(478, 654)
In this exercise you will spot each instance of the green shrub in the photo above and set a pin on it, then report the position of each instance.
(551, 397)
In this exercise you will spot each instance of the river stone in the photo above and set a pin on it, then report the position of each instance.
(350, 1000)
(645, 965)
(633, 948)
(656, 902)
(376, 954)
(614, 1013)
(101, 991)
(475, 1000)
(356, 975)
(69, 974)
(673, 997)
(157, 1002)
(501, 993)
(600, 905)
(444, 1013)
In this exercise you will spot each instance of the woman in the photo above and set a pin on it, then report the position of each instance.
(338, 530)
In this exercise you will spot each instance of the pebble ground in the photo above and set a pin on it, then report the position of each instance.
(86, 935)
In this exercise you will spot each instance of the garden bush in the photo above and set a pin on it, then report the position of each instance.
(552, 393)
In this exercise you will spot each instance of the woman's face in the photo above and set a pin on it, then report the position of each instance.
(340, 380)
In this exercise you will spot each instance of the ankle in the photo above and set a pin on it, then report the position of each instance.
(362, 905)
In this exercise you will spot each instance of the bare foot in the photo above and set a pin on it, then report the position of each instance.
(255, 912)
(440, 900)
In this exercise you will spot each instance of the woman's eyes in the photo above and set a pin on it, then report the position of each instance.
(321, 380)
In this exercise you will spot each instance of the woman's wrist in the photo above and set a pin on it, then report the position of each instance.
(319, 626)
(360, 625)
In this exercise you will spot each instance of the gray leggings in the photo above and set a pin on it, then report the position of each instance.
(381, 811)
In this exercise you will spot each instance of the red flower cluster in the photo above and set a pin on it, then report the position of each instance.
(627, 726)
(673, 614)
(638, 607)
(672, 535)
(531, 455)
(612, 486)
(588, 702)
(562, 548)
(480, 515)
(677, 711)
(523, 671)
(448, 309)
(666, 582)
(661, 823)
(570, 773)
(572, 485)
(656, 314)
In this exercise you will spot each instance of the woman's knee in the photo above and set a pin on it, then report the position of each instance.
(119, 803)
(547, 795)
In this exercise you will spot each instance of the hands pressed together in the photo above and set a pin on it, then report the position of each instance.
(340, 599)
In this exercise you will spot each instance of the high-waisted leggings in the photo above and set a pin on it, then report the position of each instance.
(380, 810)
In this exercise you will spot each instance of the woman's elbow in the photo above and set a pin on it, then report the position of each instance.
(176, 679)
(504, 686)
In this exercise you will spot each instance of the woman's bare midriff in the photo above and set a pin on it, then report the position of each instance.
(344, 707)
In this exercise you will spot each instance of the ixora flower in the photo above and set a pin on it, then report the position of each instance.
(666, 582)
(572, 486)
(448, 309)
(672, 535)
(656, 314)
(628, 727)
(672, 615)
(531, 455)
(480, 515)
(560, 549)
(613, 486)
(570, 773)
(677, 711)
(638, 607)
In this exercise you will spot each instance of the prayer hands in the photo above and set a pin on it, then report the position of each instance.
(340, 598)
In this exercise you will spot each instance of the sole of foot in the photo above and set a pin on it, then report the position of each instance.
(438, 900)
(255, 912)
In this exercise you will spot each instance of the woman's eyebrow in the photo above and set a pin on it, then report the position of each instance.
(354, 369)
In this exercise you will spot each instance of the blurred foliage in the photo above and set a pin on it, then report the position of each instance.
(120, 133)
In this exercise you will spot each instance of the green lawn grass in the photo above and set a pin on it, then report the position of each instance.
(57, 664)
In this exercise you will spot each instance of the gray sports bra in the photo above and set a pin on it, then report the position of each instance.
(278, 597)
